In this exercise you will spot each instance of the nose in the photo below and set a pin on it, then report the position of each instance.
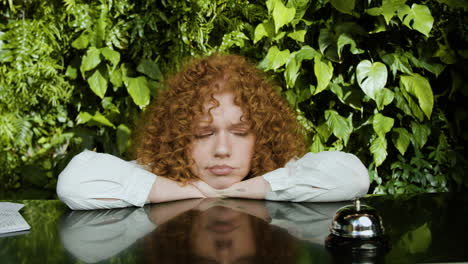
(222, 146)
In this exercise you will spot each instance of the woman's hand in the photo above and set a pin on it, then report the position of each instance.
(208, 191)
(254, 188)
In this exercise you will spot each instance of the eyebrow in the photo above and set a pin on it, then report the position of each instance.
(240, 125)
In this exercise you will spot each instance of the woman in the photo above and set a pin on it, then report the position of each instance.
(218, 130)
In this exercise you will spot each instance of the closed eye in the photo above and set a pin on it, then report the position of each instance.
(204, 135)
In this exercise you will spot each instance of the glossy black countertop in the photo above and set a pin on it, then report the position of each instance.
(422, 228)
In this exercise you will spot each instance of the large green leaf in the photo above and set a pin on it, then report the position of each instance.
(420, 134)
(317, 145)
(101, 119)
(111, 55)
(282, 15)
(90, 60)
(397, 62)
(150, 69)
(139, 90)
(306, 53)
(371, 77)
(341, 127)
(326, 39)
(402, 139)
(344, 6)
(274, 59)
(265, 29)
(81, 42)
(346, 39)
(323, 70)
(292, 70)
(384, 97)
(298, 35)
(382, 124)
(378, 149)
(388, 9)
(98, 83)
(419, 87)
(417, 17)
(294, 63)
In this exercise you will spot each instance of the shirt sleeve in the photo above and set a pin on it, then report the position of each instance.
(319, 177)
(91, 176)
(305, 221)
(94, 236)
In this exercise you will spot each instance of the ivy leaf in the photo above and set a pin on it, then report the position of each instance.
(90, 60)
(111, 55)
(274, 59)
(405, 102)
(344, 6)
(123, 138)
(417, 17)
(81, 42)
(378, 149)
(282, 15)
(115, 77)
(382, 124)
(298, 35)
(402, 140)
(326, 39)
(397, 62)
(71, 72)
(341, 127)
(387, 10)
(292, 70)
(98, 83)
(420, 134)
(150, 69)
(323, 70)
(83, 117)
(265, 29)
(101, 119)
(139, 91)
(384, 97)
(317, 145)
(371, 77)
(345, 39)
(294, 63)
(419, 87)
(93, 120)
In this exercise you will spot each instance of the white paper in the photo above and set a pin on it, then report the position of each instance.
(10, 218)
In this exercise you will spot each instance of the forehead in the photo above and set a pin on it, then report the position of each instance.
(224, 110)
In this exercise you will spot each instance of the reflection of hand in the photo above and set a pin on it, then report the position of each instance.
(251, 207)
(163, 212)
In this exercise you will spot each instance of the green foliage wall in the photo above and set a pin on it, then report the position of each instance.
(382, 79)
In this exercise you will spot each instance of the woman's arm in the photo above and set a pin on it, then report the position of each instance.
(101, 181)
(316, 177)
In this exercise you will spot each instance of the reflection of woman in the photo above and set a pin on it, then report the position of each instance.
(219, 235)
(218, 130)
(199, 230)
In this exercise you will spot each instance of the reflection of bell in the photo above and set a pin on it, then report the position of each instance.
(357, 234)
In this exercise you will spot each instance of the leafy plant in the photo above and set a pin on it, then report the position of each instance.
(383, 79)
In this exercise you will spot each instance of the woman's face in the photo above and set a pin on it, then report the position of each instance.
(223, 149)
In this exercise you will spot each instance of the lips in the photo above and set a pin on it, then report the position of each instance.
(221, 170)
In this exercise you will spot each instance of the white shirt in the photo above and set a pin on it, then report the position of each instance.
(316, 177)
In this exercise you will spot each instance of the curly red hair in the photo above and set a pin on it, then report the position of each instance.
(163, 145)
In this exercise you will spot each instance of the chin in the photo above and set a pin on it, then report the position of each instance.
(222, 183)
